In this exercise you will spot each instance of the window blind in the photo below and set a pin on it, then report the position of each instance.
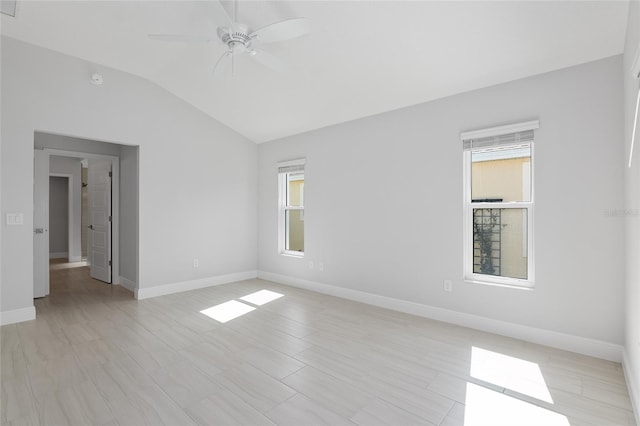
(291, 166)
(499, 136)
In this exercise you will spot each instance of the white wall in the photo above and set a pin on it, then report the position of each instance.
(632, 215)
(197, 177)
(383, 200)
(70, 166)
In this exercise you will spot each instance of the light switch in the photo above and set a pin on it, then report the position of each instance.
(15, 219)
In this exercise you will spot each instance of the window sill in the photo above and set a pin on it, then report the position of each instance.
(294, 254)
(529, 286)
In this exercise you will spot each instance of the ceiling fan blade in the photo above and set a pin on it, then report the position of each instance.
(224, 66)
(283, 30)
(268, 60)
(213, 9)
(180, 38)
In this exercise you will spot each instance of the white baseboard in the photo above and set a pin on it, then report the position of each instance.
(17, 315)
(75, 259)
(632, 385)
(161, 290)
(59, 255)
(568, 342)
(128, 284)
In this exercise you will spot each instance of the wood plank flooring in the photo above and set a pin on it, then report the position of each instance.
(96, 356)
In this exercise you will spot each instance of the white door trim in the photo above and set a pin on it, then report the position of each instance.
(115, 203)
(40, 223)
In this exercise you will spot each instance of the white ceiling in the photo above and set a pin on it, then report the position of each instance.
(362, 58)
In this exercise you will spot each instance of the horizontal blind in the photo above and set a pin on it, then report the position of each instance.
(291, 166)
(511, 134)
(497, 141)
(291, 169)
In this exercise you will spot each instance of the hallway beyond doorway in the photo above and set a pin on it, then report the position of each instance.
(70, 283)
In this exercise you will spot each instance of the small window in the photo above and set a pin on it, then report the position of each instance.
(499, 205)
(291, 207)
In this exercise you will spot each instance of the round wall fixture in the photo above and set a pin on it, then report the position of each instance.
(96, 79)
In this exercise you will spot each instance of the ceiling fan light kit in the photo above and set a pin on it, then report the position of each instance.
(239, 39)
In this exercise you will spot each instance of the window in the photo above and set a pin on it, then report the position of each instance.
(498, 202)
(635, 126)
(291, 207)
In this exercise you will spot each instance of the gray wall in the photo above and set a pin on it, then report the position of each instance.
(70, 166)
(58, 216)
(384, 202)
(632, 215)
(198, 185)
(67, 143)
(129, 213)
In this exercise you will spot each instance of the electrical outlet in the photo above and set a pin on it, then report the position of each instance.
(320, 266)
(447, 285)
(196, 262)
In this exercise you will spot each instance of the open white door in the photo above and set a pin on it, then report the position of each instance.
(99, 215)
(40, 223)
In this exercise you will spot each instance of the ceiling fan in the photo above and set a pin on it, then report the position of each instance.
(240, 39)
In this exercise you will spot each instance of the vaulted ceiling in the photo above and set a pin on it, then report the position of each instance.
(362, 57)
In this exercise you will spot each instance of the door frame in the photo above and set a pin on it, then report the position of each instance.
(70, 232)
(115, 203)
(41, 211)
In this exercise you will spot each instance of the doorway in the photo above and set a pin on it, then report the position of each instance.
(60, 220)
(102, 207)
(85, 185)
(118, 241)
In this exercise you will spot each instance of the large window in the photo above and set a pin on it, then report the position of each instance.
(291, 207)
(498, 200)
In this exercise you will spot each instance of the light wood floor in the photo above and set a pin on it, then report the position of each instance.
(97, 356)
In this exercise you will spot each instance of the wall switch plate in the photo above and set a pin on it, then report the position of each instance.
(196, 263)
(15, 219)
(447, 285)
(320, 266)
(311, 264)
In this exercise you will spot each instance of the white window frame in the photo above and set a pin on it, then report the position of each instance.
(283, 207)
(469, 206)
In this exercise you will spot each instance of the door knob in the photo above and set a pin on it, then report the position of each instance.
(39, 231)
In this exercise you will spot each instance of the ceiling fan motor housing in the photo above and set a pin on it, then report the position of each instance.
(237, 38)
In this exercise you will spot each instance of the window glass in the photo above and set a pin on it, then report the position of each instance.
(500, 242)
(501, 175)
(294, 226)
(295, 189)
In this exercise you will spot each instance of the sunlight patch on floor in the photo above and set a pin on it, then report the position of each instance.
(261, 297)
(227, 311)
(509, 372)
(484, 407)
(67, 265)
